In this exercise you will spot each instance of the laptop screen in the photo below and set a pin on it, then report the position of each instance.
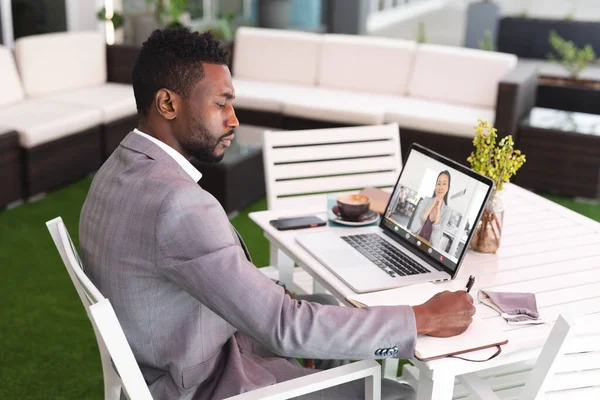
(435, 207)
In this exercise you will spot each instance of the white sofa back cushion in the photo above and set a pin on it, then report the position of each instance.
(61, 61)
(276, 55)
(368, 64)
(10, 82)
(459, 75)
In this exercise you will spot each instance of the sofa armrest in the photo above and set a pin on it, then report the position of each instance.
(120, 60)
(516, 97)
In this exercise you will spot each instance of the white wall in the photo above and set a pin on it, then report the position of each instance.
(81, 14)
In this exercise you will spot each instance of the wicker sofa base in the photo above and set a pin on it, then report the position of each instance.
(114, 132)
(259, 118)
(457, 148)
(11, 185)
(61, 161)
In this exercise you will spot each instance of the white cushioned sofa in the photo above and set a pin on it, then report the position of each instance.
(57, 98)
(298, 80)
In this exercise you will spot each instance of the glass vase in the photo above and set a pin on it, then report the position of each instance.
(489, 230)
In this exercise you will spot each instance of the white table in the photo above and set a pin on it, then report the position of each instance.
(546, 249)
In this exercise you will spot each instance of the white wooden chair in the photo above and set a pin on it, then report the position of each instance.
(568, 367)
(115, 350)
(302, 167)
(130, 379)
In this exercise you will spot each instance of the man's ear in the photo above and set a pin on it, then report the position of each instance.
(166, 103)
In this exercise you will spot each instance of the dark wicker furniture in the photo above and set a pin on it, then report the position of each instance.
(563, 153)
(11, 186)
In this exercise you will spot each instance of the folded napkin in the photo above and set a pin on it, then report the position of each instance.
(515, 308)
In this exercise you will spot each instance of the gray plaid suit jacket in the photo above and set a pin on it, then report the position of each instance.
(194, 309)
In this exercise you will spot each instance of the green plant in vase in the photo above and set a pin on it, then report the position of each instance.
(499, 161)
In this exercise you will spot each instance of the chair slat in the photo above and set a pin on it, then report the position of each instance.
(333, 184)
(320, 168)
(334, 135)
(332, 151)
(576, 394)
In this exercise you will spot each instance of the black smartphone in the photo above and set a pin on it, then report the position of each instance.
(284, 224)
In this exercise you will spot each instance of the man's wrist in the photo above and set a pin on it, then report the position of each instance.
(422, 319)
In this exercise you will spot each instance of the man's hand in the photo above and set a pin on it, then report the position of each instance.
(445, 314)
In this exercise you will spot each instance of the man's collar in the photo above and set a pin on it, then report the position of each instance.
(178, 157)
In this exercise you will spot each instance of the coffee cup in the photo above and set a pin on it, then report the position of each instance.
(352, 206)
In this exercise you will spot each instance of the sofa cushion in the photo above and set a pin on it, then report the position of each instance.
(331, 105)
(458, 75)
(436, 117)
(10, 82)
(40, 121)
(366, 63)
(265, 96)
(60, 61)
(115, 100)
(276, 56)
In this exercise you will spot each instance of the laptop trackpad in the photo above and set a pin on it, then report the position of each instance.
(343, 259)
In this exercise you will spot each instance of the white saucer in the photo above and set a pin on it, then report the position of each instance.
(371, 216)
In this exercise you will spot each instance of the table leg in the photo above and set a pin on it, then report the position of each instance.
(439, 389)
(284, 264)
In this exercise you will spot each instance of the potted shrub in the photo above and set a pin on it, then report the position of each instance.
(570, 93)
(573, 59)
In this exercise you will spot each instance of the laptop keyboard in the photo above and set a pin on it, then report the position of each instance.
(387, 257)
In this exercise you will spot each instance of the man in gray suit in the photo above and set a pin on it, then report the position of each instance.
(202, 321)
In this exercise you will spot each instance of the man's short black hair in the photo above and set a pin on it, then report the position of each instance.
(172, 59)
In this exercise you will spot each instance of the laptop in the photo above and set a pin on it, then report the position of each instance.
(423, 235)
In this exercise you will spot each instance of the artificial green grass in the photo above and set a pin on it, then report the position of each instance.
(47, 346)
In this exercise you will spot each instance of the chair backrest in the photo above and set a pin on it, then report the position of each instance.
(54, 62)
(90, 296)
(285, 56)
(107, 325)
(87, 291)
(395, 59)
(568, 367)
(302, 167)
(458, 75)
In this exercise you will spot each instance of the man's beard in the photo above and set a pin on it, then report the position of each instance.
(203, 147)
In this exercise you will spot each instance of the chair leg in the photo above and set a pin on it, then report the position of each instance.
(389, 367)
(285, 265)
(318, 288)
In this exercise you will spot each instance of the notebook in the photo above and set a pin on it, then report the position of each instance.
(479, 335)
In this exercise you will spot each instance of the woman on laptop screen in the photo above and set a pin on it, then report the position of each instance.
(432, 213)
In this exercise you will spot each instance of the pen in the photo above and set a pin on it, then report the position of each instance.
(470, 283)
